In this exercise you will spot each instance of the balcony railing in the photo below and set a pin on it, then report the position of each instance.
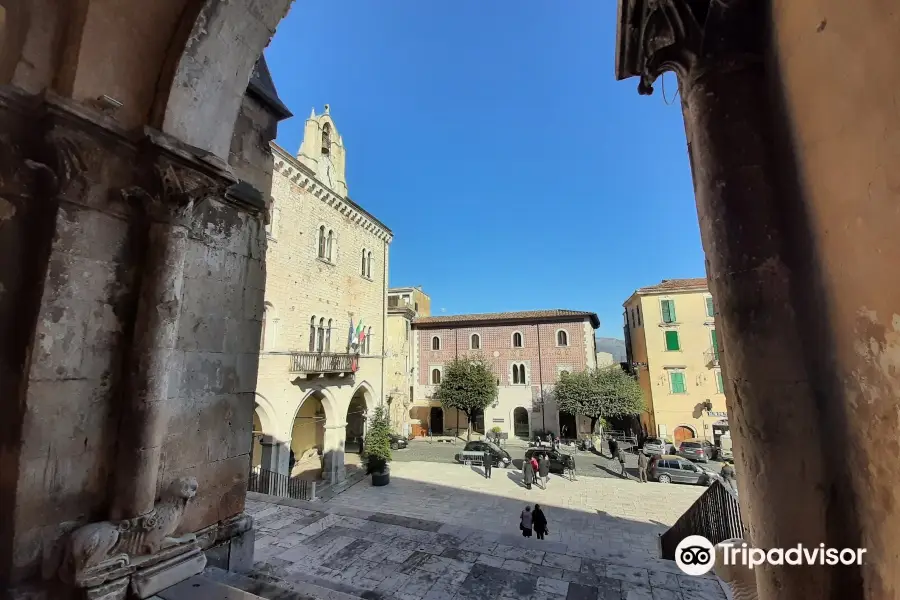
(715, 515)
(323, 362)
(713, 356)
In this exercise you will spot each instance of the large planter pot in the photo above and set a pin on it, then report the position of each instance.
(382, 478)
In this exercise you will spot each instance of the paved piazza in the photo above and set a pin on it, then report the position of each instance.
(443, 532)
(589, 464)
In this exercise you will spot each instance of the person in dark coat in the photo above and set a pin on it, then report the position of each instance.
(488, 463)
(526, 522)
(527, 474)
(539, 521)
(544, 471)
(613, 448)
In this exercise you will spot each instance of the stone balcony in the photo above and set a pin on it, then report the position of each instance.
(323, 363)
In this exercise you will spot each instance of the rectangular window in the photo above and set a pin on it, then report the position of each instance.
(633, 320)
(720, 384)
(627, 322)
(639, 315)
(715, 343)
(676, 379)
(710, 309)
(672, 343)
(668, 311)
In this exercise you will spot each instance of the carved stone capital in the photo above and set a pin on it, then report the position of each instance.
(689, 37)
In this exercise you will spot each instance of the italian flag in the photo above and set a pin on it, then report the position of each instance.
(360, 335)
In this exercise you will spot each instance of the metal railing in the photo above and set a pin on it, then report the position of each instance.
(713, 356)
(715, 515)
(281, 485)
(323, 362)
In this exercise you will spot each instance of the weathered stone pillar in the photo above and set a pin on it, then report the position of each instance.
(787, 436)
(275, 455)
(333, 469)
(175, 184)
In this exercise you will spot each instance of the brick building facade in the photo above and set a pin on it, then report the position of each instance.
(528, 350)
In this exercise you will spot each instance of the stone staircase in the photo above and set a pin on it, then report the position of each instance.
(217, 584)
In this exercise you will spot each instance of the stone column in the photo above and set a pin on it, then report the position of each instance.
(275, 455)
(175, 184)
(333, 469)
(787, 444)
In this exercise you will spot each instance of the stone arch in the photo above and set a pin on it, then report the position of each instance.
(368, 392)
(198, 104)
(521, 428)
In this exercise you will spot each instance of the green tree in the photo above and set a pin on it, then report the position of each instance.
(599, 394)
(377, 449)
(469, 385)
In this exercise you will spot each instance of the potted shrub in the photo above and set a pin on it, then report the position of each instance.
(377, 450)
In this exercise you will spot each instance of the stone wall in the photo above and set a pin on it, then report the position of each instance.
(76, 215)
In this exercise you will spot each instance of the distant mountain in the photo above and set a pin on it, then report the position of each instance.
(614, 346)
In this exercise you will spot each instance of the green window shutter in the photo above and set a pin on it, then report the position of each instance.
(677, 382)
(710, 309)
(668, 311)
(672, 341)
(720, 384)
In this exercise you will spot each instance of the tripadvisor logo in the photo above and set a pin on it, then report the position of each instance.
(696, 555)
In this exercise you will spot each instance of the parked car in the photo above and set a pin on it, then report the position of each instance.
(669, 468)
(558, 460)
(699, 450)
(398, 442)
(654, 446)
(500, 456)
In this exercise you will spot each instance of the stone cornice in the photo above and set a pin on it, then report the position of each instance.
(302, 176)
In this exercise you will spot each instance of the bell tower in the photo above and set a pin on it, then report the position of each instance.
(322, 150)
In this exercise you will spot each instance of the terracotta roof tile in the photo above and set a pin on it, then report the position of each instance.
(671, 285)
(523, 315)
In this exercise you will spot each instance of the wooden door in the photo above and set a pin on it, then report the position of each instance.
(682, 433)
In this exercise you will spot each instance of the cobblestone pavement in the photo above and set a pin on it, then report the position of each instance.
(458, 540)
(588, 463)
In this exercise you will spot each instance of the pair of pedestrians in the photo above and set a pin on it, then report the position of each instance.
(535, 519)
(532, 469)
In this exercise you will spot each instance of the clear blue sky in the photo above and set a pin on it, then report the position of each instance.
(493, 139)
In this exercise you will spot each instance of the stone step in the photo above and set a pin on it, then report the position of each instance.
(263, 585)
(199, 587)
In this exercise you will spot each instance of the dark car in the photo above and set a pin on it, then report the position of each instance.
(558, 460)
(668, 469)
(501, 457)
(398, 442)
(699, 450)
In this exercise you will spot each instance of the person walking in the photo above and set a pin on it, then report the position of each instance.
(727, 475)
(621, 457)
(527, 474)
(525, 522)
(488, 464)
(539, 521)
(643, 463)
(613, 448)
(544, 471)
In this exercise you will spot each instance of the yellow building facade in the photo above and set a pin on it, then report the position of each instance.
(400, 365)
(326, 270)
(675, 351)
